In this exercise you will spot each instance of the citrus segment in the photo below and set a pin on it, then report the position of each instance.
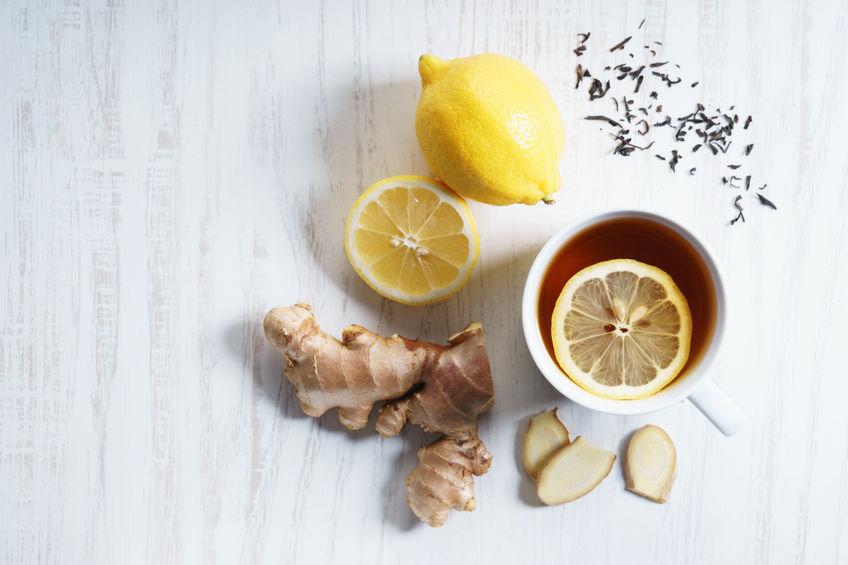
(621, 329)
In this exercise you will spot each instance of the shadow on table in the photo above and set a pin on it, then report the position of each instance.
(372, 136)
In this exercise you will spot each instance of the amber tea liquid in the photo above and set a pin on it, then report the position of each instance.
(647, 241)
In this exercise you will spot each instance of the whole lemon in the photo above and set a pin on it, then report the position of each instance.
(489, 128)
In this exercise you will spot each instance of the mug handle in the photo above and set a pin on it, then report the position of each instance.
(717, 407)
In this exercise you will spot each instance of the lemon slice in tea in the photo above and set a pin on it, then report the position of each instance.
(621, 329)
(412, 239)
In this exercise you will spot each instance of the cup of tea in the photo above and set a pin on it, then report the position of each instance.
(658, 241)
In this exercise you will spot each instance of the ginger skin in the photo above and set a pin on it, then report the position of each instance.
(440, 388)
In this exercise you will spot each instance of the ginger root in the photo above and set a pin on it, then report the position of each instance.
(439, 388)
(651, 463)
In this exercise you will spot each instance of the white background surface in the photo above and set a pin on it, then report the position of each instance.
(171, 170)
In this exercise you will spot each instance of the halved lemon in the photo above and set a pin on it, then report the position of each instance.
(621, 329)
(412, 239)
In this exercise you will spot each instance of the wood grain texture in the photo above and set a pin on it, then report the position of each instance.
(169, 170)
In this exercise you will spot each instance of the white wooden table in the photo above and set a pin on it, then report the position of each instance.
(169, 170)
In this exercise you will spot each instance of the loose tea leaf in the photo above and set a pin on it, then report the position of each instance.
(674, 159)
(580, 75)
(665, 78)
(766, 202)
(582, 38)
(598, 89)
(606, 119)
(620, 44)
(625, 146)
(740, 215)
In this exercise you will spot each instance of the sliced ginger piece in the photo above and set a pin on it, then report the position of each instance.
(573, 471)
(651, 464)
(545, 435)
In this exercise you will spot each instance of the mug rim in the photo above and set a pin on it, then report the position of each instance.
(547, 365)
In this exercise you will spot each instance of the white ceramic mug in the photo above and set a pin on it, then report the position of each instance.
(693, 384)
